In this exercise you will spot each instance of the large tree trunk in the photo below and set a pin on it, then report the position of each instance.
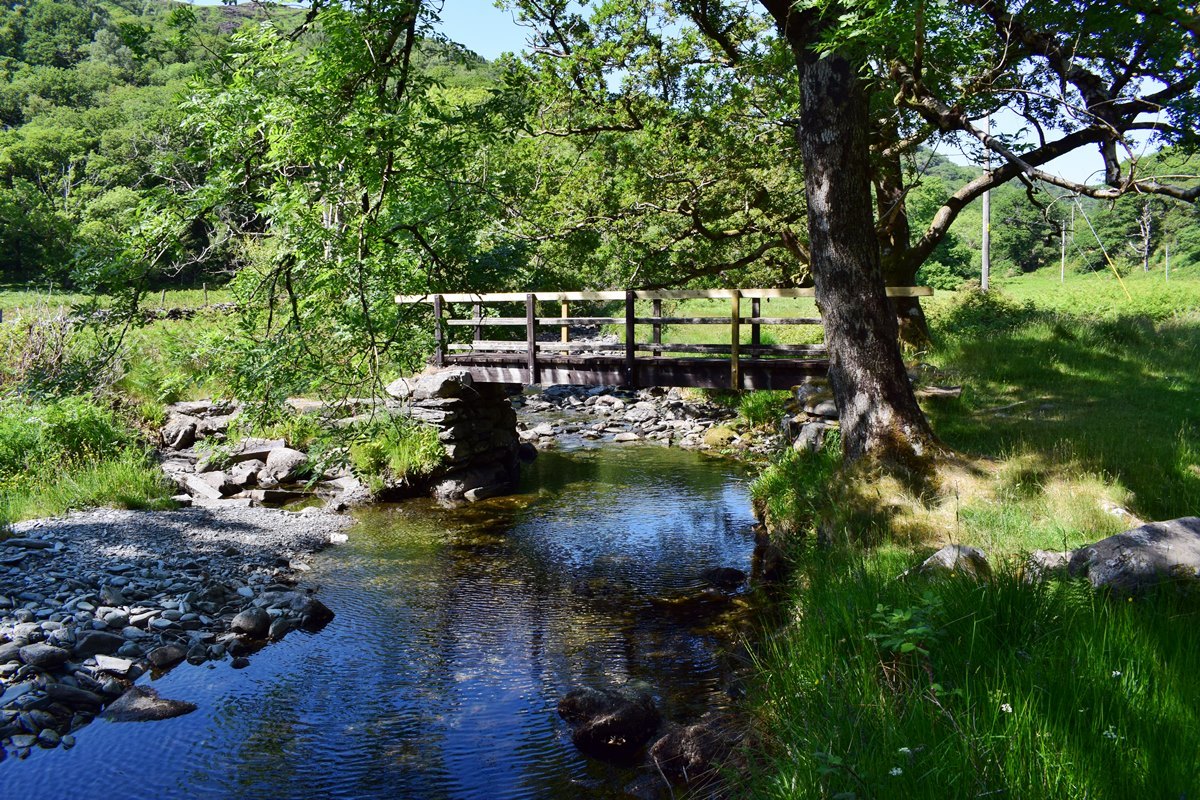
(879, 415)
(894, 243)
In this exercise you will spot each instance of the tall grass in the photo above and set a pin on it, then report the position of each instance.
(890, 688)
(71, 453)
(394, 451)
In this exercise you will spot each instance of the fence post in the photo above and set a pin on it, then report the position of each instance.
(735, 335)
(439, 340)
(566, 328)
(478, 308)
(657, 333)
(755, 328)
(630, 336)
(531, 337)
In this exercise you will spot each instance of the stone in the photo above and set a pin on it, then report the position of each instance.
(44, 656)
(92, 643)
(239, 662)
(252, 449)
(166, 656)
(283, 464)
(27, 543)
(9, 651)
(609, 722)
(280, 626)
(180, 432)
(442, 384)
(1044, 564)
(24, 740)
(73, 696)
(254, 622)
(117, 666)
(626, 436)
(198, 487)
(48, 738)
(142, 704)
(811, 438)
(691, 754)
(956, 559)
(719, 436)
(313, 614)
(1137, 559)
(401, 388)
(727, 579)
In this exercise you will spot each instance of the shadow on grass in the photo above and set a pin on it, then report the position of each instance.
(1118, 397)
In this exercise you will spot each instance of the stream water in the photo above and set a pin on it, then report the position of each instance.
(457, 631)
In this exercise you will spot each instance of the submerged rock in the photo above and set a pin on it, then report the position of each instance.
(142, 704)
(1132, 561)
(613, 723)
(691, 754)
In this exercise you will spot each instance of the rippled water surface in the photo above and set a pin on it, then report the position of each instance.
(456, 633)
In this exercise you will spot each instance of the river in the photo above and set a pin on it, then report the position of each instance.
(457, 631)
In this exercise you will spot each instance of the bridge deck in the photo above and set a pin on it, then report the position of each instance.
(629, 363)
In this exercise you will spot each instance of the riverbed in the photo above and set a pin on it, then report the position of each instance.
(457, 631)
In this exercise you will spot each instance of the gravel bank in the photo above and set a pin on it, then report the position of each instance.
(92, 600)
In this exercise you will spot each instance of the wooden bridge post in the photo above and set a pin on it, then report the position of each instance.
(565, 307)
(478, 322)
(735, 334)
(755, 328)
(439, 336)
(657, 337)
(531, 336)
(630, 336)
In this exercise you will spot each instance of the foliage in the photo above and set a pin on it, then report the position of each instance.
(763, 408)
(395, 451)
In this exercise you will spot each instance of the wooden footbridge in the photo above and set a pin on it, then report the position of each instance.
(461, 319)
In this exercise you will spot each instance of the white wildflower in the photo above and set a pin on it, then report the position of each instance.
(1116, 673)
(905, 751)
(1006, 708)
(895, 772)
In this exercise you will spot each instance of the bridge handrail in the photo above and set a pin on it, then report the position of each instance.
(531, 347)
(638, 294)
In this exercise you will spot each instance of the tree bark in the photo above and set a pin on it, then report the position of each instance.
(879, 415)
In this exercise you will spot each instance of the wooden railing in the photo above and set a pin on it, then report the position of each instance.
(528, 349)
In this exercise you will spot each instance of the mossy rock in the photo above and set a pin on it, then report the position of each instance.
(720, 436)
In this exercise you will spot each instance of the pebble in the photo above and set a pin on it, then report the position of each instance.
(125, 582)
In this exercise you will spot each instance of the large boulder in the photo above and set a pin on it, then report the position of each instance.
(44, 656)
(613, 723)
(283, 464)
(1142, 557)
(442, 384)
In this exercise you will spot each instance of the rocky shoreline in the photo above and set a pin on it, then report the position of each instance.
(93, 600)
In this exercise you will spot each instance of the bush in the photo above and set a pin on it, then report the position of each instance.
(790, 492)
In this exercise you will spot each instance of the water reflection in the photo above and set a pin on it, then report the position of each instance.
(456, 633)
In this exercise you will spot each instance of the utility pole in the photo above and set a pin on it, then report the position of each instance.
(1062, 265)
(987, 211)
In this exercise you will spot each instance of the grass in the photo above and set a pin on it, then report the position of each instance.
(27, 301)
(391, 452)
(72, 453)
(887, 688)
(1076, 404)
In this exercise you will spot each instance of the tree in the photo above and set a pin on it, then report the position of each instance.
(876, 81)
